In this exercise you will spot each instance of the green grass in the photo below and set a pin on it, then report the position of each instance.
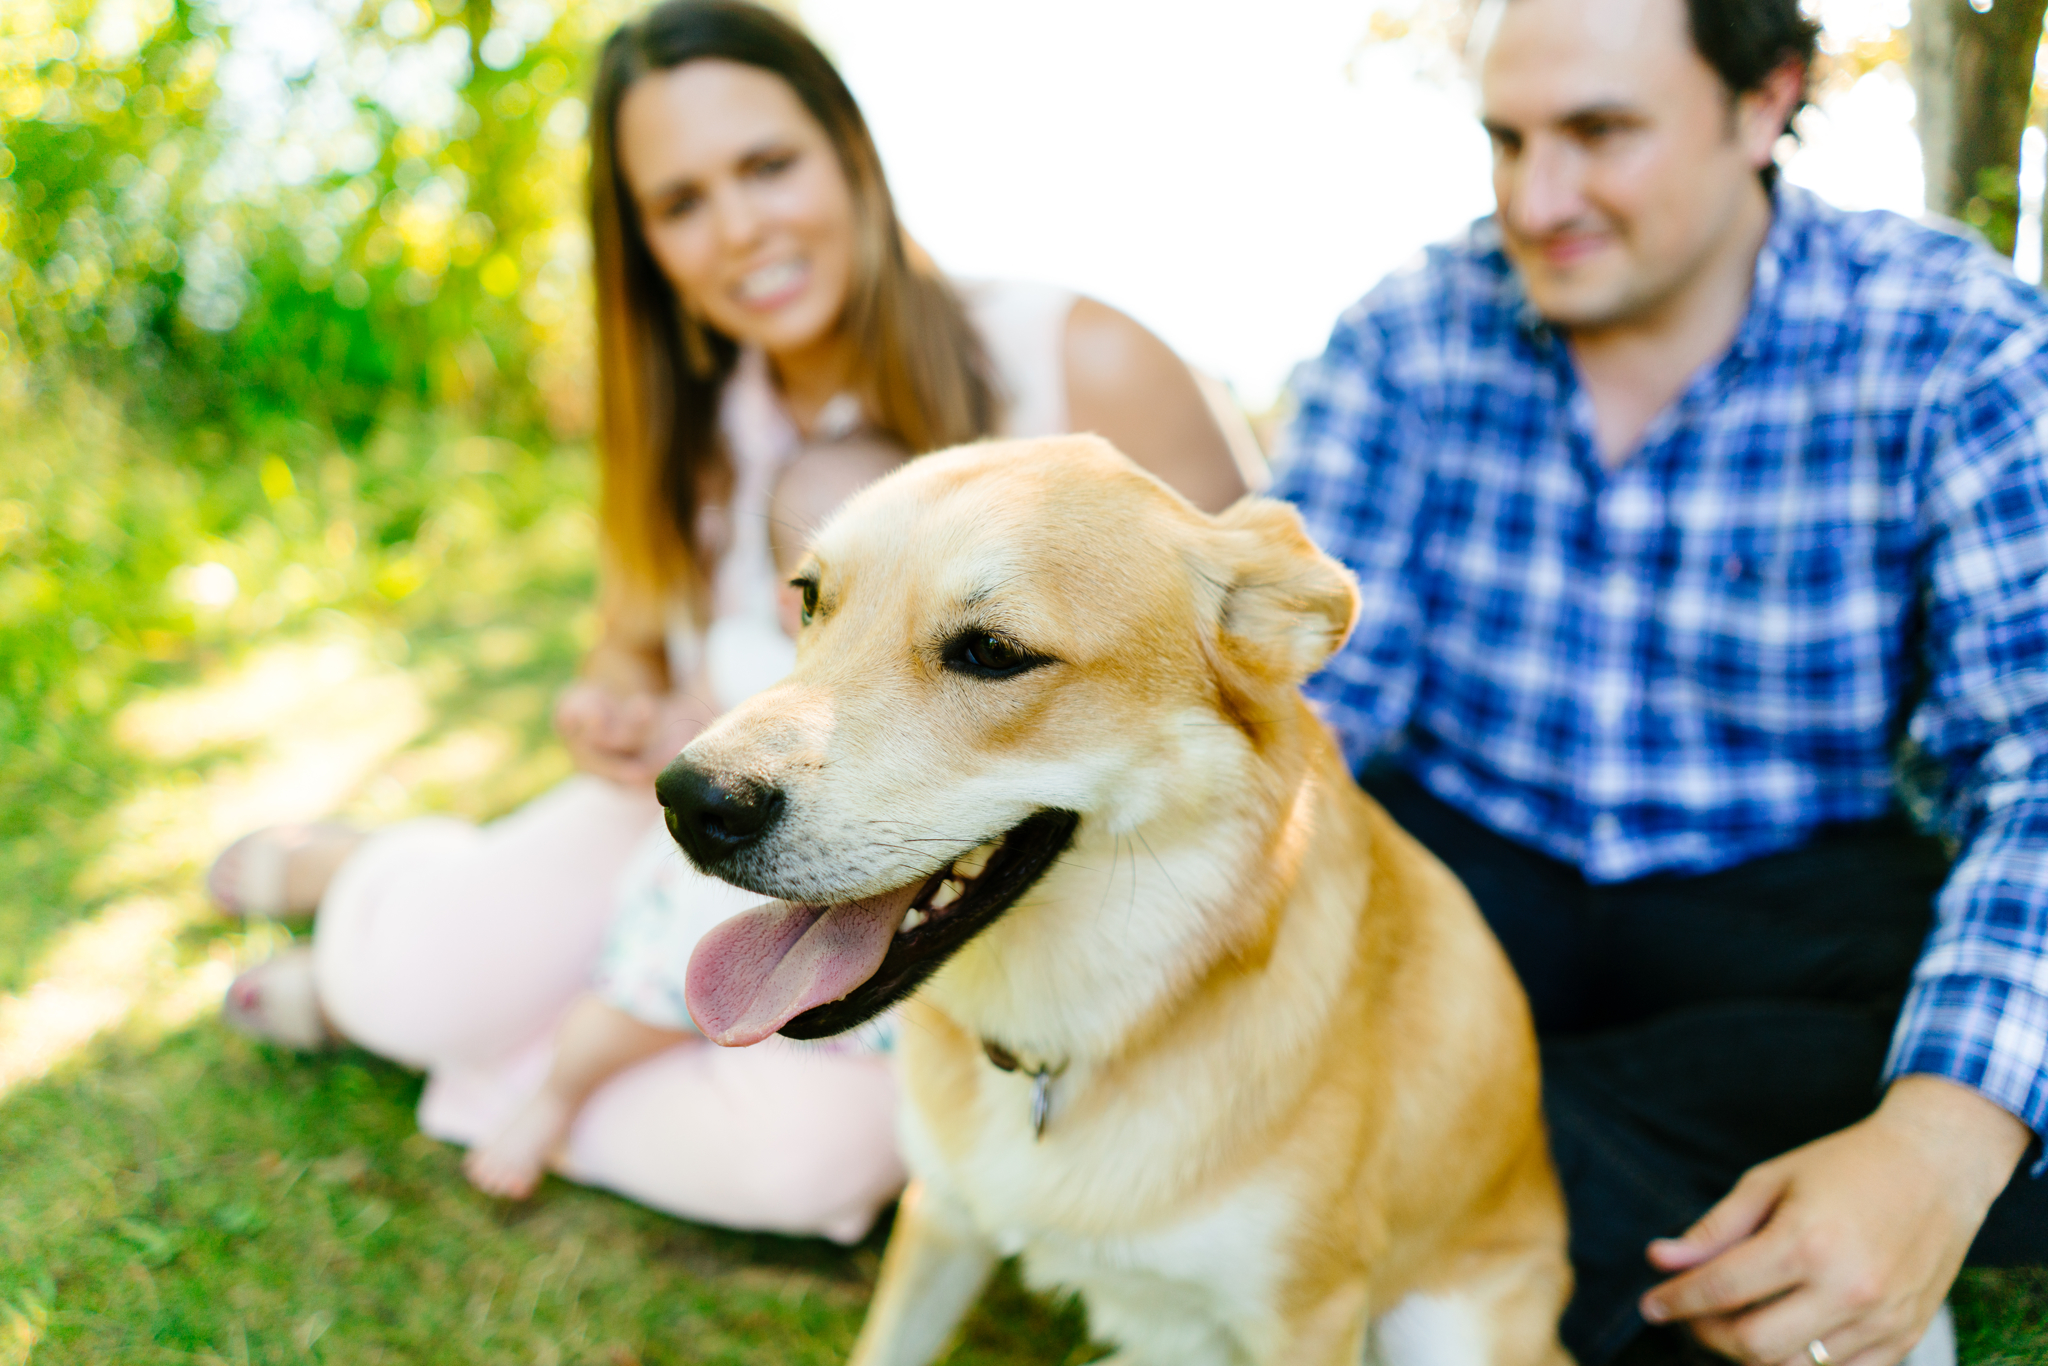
(171, 1192)
(204, 1198)
(2002, 1317)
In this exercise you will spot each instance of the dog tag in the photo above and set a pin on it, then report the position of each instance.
(1041, 1101)
(1041, 1083)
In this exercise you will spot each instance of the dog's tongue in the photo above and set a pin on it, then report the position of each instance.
(751, 974)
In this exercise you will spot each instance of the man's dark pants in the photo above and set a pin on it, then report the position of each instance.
(1692, 1027)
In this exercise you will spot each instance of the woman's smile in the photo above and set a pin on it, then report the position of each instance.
(744, 206)
(770, 287)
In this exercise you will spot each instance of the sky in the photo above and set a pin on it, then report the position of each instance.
(1232, 176)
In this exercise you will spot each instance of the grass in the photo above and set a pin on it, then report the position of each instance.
(200, 1198)
(169, 1192)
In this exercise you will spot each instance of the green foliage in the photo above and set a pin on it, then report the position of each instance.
(1994, 209)
(86, 253)
(205, 205)
(284, 323)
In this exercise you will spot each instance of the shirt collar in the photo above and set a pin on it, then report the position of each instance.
(1792, 215)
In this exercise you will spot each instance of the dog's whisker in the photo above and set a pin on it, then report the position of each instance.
(1131, 907)
(1109, 883)
(1163, 871)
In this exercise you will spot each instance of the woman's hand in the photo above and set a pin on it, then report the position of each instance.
(605, 729)
(1851, 1241)
(628, 737)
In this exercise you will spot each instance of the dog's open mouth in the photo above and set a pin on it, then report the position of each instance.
(814, 971)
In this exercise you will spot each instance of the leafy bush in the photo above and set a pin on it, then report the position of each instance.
(315, 208)
(292, 311)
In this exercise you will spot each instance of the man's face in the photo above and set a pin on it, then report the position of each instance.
(1620, 161)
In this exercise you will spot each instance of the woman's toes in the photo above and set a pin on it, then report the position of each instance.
(493, 1176)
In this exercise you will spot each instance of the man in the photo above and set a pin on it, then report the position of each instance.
(1685, 508)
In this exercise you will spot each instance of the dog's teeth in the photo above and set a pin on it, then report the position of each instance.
(948, 893)
(970, 864)
(911, 920)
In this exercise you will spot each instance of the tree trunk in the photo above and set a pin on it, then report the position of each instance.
(1973, 76)
(2041, 220)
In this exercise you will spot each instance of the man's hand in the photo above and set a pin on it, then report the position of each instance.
(628, 737)
(1852, 1240)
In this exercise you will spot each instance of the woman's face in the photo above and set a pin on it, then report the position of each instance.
(742, 201)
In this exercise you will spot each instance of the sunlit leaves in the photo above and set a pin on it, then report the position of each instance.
(303, 206)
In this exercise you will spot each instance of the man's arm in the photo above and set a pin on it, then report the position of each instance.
(1354, 463)
(1853, 1240)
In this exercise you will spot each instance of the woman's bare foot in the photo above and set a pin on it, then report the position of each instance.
(280, 869)
(509, 1166)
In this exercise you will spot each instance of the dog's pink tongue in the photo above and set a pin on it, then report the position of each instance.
(752, 973)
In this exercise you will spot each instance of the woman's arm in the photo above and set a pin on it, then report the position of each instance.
(1125, 384)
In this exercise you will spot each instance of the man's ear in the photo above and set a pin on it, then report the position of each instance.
(1286, 605)
(1762, 114)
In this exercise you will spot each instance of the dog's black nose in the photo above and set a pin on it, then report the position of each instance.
(710, 819)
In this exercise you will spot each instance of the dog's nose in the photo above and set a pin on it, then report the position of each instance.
(710, 819)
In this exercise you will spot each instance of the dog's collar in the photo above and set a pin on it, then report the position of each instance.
(1041, 1081)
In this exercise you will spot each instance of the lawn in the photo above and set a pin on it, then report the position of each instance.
(197, 638)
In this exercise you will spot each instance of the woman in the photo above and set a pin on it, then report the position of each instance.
(755, 294)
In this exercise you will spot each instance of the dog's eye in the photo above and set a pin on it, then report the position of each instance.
(992, 652)
(809, 588)
(988, 655)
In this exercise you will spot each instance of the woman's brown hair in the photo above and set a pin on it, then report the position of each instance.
(922, 374)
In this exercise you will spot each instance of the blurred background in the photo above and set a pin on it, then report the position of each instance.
(295, 404)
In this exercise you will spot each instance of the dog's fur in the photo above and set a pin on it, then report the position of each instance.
(1298, 1120)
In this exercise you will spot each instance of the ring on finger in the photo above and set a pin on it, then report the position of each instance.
(1817, 1351)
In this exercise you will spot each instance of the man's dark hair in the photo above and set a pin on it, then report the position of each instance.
(1746, 40)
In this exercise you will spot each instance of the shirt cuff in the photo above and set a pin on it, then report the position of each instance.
(1986, 1033)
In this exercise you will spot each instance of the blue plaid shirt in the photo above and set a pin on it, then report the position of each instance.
(1834, 541)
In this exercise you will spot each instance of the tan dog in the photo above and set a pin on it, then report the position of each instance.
(1196, 1029)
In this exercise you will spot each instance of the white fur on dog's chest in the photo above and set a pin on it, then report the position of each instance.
(1199, 1289)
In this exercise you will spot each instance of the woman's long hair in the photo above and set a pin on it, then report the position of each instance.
(921, 371)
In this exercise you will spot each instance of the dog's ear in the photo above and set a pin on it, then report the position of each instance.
(1286, 606)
